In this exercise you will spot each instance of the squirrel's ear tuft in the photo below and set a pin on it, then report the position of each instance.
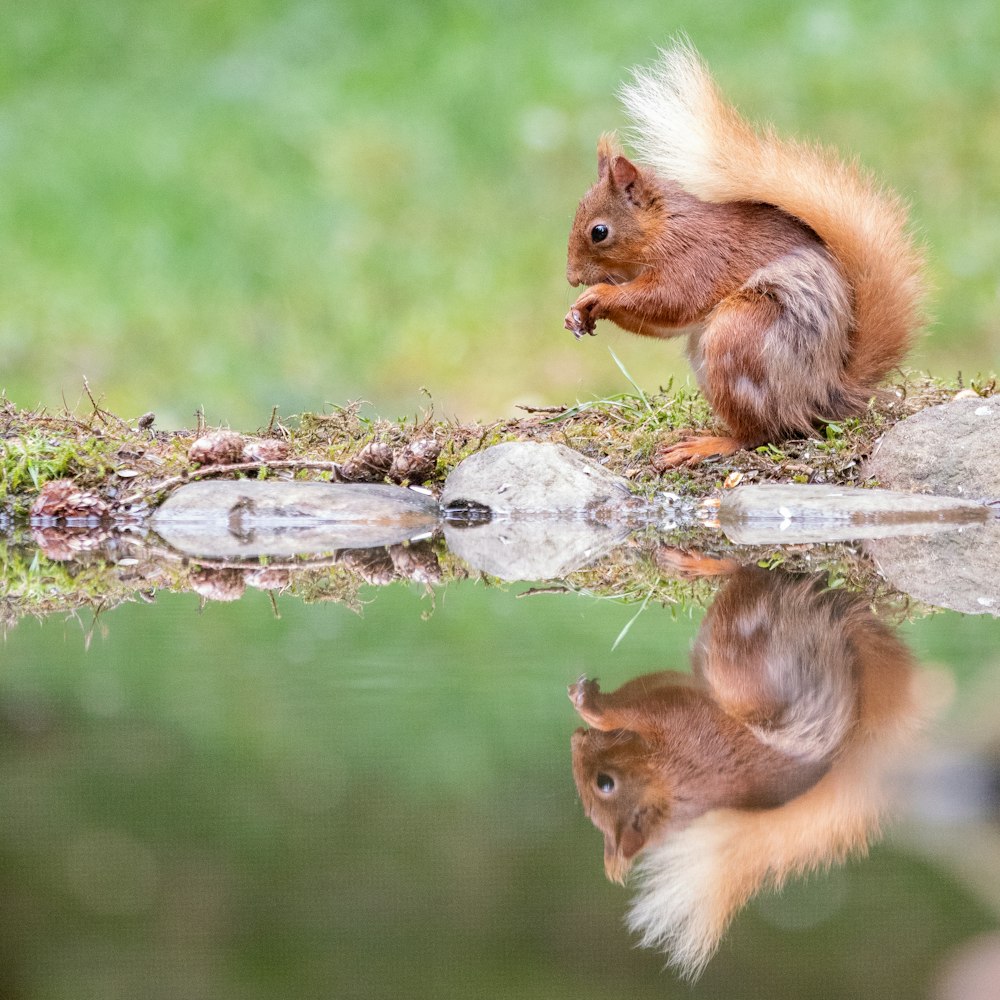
(607, 150)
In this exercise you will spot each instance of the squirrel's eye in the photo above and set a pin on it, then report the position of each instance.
(599, 233)
(605, 783)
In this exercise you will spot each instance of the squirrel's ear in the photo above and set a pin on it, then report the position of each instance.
(623, 172)
(633, 833)
(607, 150)
(616, 864)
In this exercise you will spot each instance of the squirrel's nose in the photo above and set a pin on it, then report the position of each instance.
(573, 278)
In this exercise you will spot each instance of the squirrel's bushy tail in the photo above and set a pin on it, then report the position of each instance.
(689, 133)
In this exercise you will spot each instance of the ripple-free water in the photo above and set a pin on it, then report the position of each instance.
(230, 800)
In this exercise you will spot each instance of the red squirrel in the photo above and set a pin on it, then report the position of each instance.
(792, 272)
(769, 759)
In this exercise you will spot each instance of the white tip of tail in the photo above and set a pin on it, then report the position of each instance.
(674, 107)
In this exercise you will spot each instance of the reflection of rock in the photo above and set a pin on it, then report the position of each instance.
(949, 450)
(771, 759)
(524, 477)
(766, 514)
(228, 519)
(957, 570)
(531, 549)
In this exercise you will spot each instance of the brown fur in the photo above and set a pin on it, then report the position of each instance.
(766, 761)
(794, 268)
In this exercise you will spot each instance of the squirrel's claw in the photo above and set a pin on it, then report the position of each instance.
(581, 691)
(579, 325)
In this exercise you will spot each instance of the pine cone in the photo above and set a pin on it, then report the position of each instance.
(416, 461)
(218, 584)
(374, 566)
(266, 450)
(370, 464)
(218, 448)
(63, 498)
(269, 578)
(418, 563)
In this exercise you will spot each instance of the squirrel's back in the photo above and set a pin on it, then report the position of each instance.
(690, 134)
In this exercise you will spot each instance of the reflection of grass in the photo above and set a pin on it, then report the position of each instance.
(297, 203)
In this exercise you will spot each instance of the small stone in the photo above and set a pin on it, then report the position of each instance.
(802, 513)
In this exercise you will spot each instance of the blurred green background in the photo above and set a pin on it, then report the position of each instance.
(296, 203)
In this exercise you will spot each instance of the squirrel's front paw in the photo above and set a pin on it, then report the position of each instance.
(584, 694)
(582, 318)
(579, 323)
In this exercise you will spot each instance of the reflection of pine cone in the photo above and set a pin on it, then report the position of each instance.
(269, 578)
(370, 464)
(218, 584)
(416, 461)
(418, 563)
(372, 565)
(61, 544)
(63, 498)
(218, 448)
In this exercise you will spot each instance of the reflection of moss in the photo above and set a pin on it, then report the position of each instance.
(76, 568)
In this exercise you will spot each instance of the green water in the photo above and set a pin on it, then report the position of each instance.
(220, 802)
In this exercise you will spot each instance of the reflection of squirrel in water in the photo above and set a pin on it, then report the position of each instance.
(766, 761)
(794, 269)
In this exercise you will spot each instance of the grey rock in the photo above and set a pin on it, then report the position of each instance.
(949, 450)
(227, 519)
(525, 477)
(766, 514)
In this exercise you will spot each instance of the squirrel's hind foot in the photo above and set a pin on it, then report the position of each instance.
(694, 450)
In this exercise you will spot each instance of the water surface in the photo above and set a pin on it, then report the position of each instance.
(215, 800)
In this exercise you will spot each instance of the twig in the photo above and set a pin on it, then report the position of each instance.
(535, 591)
(540, 409)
